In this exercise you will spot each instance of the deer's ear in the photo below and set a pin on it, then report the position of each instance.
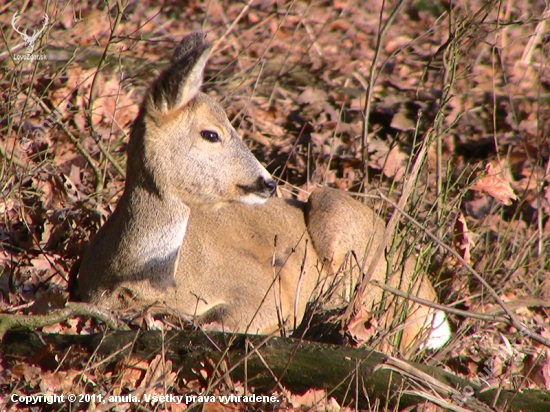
(180, 83)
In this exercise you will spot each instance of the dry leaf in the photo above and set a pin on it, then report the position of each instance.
(152, 323)
(30, 373)
(7, 205)
(311, 95)
(218, 407)
(362, 326)
(114, 104)
(392, 162)
(131, 372)
(495, 185)
(316, 398)
(401, 120)
(159, 373)
(396, 163)
(56, 382)
(55, 328)
(41, 263)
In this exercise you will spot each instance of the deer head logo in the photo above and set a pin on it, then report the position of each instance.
(30, 40)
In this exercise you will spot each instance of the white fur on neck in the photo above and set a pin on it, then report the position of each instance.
(164, 234)
(164, 241)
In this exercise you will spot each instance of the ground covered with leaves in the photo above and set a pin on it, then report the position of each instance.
(332, 93)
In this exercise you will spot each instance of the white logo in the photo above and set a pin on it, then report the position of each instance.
(30, 40)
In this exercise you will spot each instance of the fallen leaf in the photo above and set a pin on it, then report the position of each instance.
(396, 163)
(56, 382)
(495, 185)
(31, 373)
(401, 120)
(131, 371)
(311, 95)
(362, 326)
(7, 204)
(41, 263)
(392, 162)
(158, 373)
(55, 328)
(218, 407)
(312, 398)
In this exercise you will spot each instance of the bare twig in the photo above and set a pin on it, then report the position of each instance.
(445, 308)
(91, 98)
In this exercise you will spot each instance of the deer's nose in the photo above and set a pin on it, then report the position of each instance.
(268, 184)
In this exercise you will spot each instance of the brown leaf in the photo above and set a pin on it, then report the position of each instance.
(7, 205)
(61, 381)
(41, 263)
(401, 120)
(392, 162)
(396, 163)
(218, 407)
(131, 372)
(362, 326)
(55, 328)
(316, 398)
(159, 372)
(311, 95)
(494, 184)
(31, 373)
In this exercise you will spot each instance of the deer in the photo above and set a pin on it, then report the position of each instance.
(197, 227)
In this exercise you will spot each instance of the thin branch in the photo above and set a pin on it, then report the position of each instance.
(429, 303)
(232, 26)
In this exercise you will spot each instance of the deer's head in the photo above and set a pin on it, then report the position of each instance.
(183, 144)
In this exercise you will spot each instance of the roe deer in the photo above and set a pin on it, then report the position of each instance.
(197, 228)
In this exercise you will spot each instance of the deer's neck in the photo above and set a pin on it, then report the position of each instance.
(151, 229)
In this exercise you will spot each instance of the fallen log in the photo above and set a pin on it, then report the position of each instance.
(352, 376)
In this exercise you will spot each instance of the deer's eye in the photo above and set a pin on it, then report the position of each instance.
(210, 136)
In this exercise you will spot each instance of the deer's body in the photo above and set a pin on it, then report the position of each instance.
(196, 227)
